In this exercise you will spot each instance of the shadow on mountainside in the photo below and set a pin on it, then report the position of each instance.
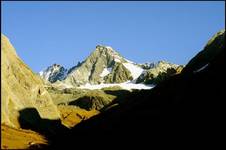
(29, 118)
(120, 97)
(100, 102)
(89, 102)
(85, 102)
(120, 94)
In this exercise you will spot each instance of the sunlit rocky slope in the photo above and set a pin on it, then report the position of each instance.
(21, 89)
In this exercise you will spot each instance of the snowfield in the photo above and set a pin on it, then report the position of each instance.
(60, 85)
(125, 85)
(135, 70)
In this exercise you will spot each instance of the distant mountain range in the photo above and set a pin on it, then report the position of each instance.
(106, 66)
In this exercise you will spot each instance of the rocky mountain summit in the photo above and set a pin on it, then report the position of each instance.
(104, 65)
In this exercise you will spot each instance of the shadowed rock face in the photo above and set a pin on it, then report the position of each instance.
(21, 88)
(53, 73)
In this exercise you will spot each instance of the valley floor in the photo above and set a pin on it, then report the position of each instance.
(71, 116)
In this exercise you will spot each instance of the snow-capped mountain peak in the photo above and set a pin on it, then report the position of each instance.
(135, 70)
(53, 73)
(104, 65)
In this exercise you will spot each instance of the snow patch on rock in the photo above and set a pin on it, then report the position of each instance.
(134, 70)
(129, 61)
(105, 72)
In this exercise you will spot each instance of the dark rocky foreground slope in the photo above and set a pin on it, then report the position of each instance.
(183, 109)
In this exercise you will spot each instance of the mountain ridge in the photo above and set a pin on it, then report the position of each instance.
(105, 65)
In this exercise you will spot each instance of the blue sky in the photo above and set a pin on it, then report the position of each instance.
(44, 33)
